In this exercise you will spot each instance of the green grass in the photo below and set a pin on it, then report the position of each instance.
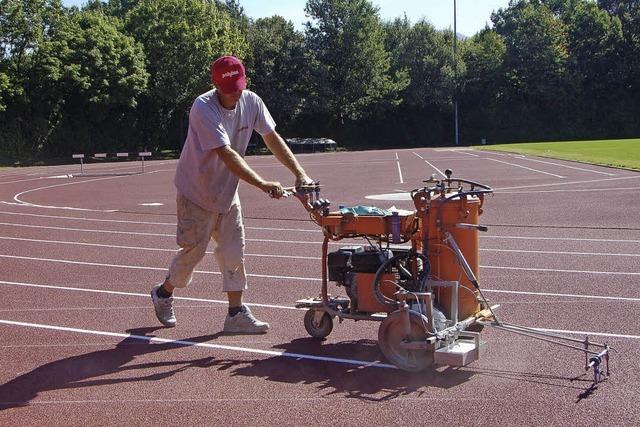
(620, 153)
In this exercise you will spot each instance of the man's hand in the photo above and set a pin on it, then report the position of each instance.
(303, 179)
(273, 189)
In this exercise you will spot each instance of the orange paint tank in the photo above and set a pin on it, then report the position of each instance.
(442, 216)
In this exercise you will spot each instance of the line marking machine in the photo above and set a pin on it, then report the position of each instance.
(425, 293)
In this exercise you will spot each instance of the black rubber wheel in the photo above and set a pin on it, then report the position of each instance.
(392, 332)
(318, 330)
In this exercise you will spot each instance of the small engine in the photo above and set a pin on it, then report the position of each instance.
(355, 267)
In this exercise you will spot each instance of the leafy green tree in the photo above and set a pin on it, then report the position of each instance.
(484, 56)
(180, 39)
(535, 68)
(24, 117)
(98, 73)
(352, 78)
(279, 71)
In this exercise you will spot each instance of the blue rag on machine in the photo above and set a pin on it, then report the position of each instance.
(364, 210)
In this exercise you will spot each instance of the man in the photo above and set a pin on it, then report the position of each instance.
(211, 163)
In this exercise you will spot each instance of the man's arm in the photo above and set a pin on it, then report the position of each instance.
(279, 148)
(239, 167)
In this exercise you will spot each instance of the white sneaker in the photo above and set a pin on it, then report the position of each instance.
(244, 323)
(164, 308)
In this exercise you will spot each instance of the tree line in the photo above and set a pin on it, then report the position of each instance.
(122, 74)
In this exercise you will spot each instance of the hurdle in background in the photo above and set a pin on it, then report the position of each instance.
(142, 155)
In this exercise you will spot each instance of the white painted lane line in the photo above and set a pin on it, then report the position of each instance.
(156, 249)
(464, 152)
(439, 171)
(19, 195)
(567, 166)
(172, 224)
(103, 291)
(524, 167)
(138, 233)
(399, 170)
(583, 190)
(310, 279)
(563, 239)
(139, 267)
(553, 270)
(101, 245)
(551, 294)
(284, 354)
(518, 251)
(418, 155)
(224, 302)
(590, 181)
(134, 233)
(600, 334)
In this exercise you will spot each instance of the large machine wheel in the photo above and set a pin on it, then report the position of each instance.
(410, 271)
(392, 332)
(320, 329)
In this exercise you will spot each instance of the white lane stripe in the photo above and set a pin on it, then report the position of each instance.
(143, 248)
(293, 308)
(418, 155)
(136, 233)
(551, 294)
(309, 279)
(464, 152)
(553, 270)
(583, 190)
(399, 170)
(138, 267)
(439, 171)
(286, 354)
(567, 166)
(18, 195)
(563, 239)
(520, 251)
(590, 181)
(100, 245)
(103, 291)
(172, 224)
(498, 291)
(600, 334)
(524, 167)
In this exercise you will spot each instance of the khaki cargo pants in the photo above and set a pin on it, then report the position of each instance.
(196, 228)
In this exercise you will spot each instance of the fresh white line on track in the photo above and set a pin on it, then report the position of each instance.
(143, 248)
(137, 267)
(134, 294)
(284, 354)
(524, 167)
(567, 166)
(101, 245)
(399, 170)
(584, 190)
(172, 224)
(519, 251)
(137, 233)
(293, 308)
(18, 195)
(427, 162)
(553, 270)
(570, 183)
(308, 279)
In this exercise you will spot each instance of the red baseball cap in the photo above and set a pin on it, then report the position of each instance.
(227, 72)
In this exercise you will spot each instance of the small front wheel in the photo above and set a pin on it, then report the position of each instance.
(318, 328)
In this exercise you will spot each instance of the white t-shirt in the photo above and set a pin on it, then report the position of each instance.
(201, 176)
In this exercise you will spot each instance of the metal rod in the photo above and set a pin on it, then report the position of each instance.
(539, 336)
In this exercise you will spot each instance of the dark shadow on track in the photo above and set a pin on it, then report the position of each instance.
(359, 382)
(78, 371)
